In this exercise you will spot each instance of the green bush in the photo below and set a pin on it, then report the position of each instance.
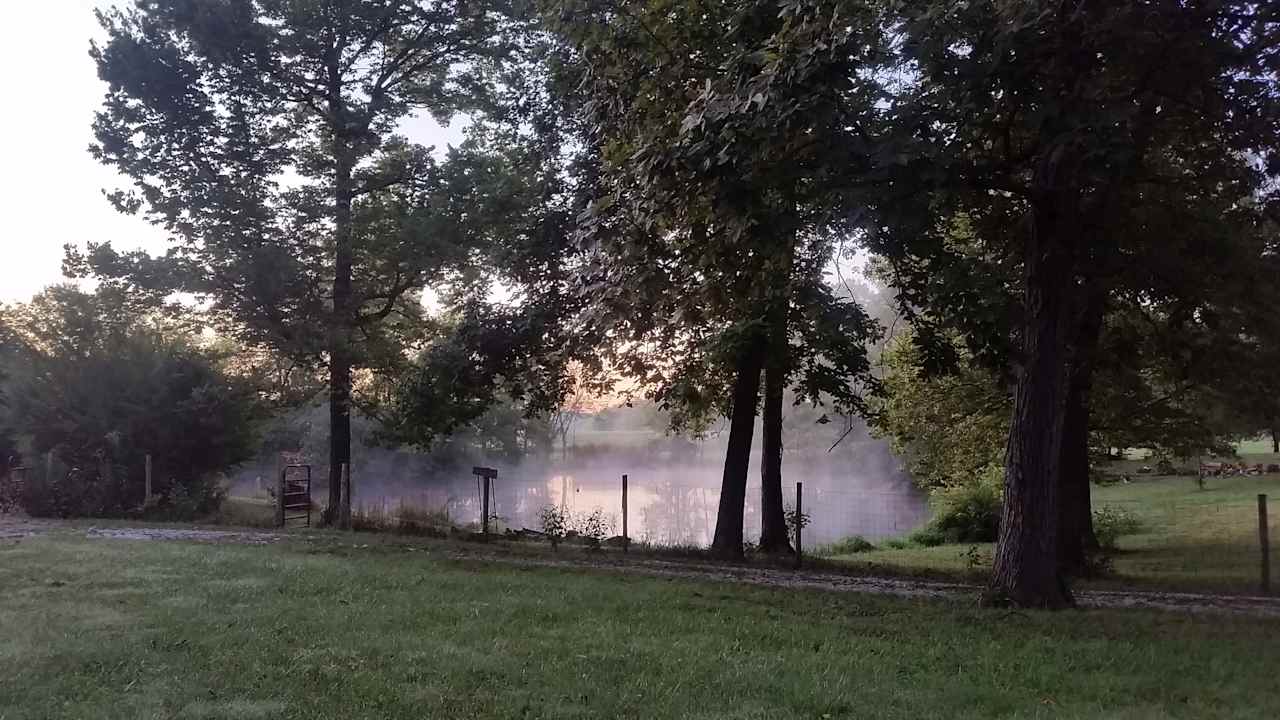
(851, 545)
(99, 389)
(967, 513)
(1110, 523)
(929, 536)
(555, 524)
(592, 528)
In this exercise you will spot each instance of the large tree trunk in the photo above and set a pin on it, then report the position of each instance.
(737, 459)
(340, 329)
(773, 522)
(1025, 571)
(1275, 439)
(1076, 539)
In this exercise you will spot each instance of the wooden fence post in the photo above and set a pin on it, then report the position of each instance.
(799, 519)
(626, 540)
(344, 507)
(1265, 540)
(147, 496)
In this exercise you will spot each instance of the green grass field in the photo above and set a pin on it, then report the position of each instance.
(1191, 538)
(135, 629)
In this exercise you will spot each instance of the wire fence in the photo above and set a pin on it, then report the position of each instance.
(660, 512)
(1212, 542)
(1188, 539)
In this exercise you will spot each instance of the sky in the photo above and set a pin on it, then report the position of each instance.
(50, 187)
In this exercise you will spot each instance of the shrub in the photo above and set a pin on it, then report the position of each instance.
(851, 545)
(593, 527)
(967, 513)
(795, 521)
(555, 524)
(195, 498)
(1110, 523)
(101, 389)
(928, 536)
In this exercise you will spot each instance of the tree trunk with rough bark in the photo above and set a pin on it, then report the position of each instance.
(1026, 571)
(340, 329)
(773, 521)
(1076, 539)
(737, 459)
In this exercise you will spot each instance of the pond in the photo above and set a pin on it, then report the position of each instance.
(671, 501)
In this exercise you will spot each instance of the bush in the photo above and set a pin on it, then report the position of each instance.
(593, 527)
(796, 521)
(928, 536)
(100, 388)
(1110, 523)
(851, 545)
(555, 524)
(967, 513)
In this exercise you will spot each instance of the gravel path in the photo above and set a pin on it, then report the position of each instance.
(910, 587)
(248, 537)
(12, 528)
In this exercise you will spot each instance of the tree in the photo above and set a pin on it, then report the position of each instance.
(260, 134)
(8, 436)
(714, 218)
(948, 426)
(505, 330)
(1060, 133)
(100, 387)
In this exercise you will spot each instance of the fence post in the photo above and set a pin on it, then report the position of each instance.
(280, 497)
(344, 508)
(484, 508)
(625, 538)
(1265, 540)
(799, 520)
(147, 496)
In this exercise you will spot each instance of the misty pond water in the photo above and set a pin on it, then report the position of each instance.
(674, 489)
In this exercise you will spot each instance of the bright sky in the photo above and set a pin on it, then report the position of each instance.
(50, 188)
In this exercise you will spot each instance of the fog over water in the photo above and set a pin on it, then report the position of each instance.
(858, 488)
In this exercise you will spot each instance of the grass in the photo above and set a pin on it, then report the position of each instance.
(246, 512)
(118, 629)
(1190, 539)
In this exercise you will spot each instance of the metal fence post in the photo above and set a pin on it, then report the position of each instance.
(1265, 541)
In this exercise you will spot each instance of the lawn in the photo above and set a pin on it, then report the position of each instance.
(137, 629)
(1190, 538)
